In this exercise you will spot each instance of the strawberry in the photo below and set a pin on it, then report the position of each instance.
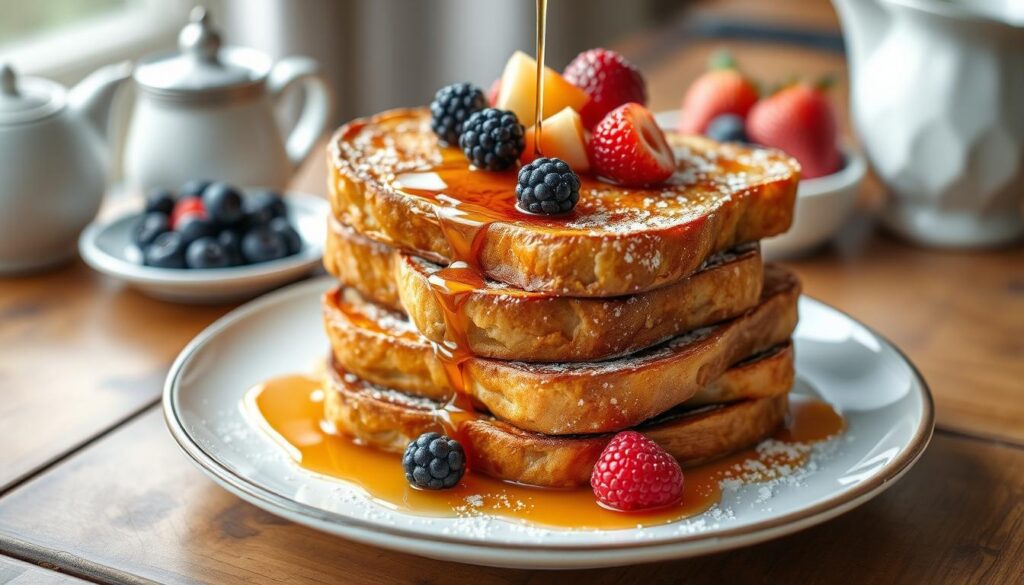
(187, 206)
(628, 147)
(722, 90)
(610, 81)
(799, 120)
(634, 473)
(493, 91)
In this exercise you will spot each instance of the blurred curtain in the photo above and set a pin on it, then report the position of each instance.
(387, 53)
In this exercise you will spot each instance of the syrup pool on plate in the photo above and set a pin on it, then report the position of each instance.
(290, 409)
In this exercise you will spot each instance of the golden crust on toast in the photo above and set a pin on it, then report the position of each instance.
(391, 181)
(507, 323)
(561, 398)
(389, 420)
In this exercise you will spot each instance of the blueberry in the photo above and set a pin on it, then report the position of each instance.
(194, 226)
(292, 239)
(206, 253)
(166, 251)
(160, 201)
(727, 128)
(261, 244)
(194, 188)
(231, 241)
(263, 207)
(149, 227)
(223, 203)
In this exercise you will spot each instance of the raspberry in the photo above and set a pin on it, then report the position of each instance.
(547, 186)
(634, 473)
(434, 462)
(628, 147)
(451, 106)
(492, 139)
(608, 79)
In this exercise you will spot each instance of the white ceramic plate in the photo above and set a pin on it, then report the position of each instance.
(886, 403)
(107, 247)
(823, 204)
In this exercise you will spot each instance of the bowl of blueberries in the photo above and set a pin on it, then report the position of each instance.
(210, 242)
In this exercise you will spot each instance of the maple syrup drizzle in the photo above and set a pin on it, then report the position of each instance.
(290, 409)
(538, 103)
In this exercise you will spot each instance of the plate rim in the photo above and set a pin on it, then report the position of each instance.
(721, 540)
(114, 267)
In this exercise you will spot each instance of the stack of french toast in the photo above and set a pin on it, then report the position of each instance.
(535, 339)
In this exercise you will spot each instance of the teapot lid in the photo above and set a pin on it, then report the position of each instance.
(23, 99)
(202, 67)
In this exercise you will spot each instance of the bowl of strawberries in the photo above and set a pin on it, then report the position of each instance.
(797, 118)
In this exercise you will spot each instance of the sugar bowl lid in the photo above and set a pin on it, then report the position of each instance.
(24, 99)
(202, 67)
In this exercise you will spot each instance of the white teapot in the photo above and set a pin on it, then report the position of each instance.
(53, 163)
(938, 100)
(207, 112)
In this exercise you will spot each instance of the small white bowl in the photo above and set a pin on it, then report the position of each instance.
(108, 248)
(822, 204)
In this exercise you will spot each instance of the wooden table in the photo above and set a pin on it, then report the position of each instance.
(91, 484)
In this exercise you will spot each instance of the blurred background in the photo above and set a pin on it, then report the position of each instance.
(377, 53)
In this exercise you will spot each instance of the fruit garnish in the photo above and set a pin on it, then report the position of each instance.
(547, 186)
(493, 91)
(563, 137)
(451, 106)
(727, 128)
(206, 252)
(800, 121)
(608, 79)
(166, 251)
(149, 227)
(263, 207)
(160, 201)
(721, 90)
(492, 139)
(193, 188)
(263, 244)
(519, 85)
(434, 462)
(629, 148)
(223, 203)
(192, 205)
(635, 473)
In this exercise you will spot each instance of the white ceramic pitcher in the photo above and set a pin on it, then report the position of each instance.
(53, 163)
(207, 112)
(938, 101)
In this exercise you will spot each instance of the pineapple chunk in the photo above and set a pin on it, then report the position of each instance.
(519, 86)
(562, 136)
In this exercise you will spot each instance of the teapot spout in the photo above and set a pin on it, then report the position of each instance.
(864, 24)
(93, 97)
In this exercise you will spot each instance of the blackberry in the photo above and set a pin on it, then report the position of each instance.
(451, 106)
(492, 139)
(547, 186)
(434, 462)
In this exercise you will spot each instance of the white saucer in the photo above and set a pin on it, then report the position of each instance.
(885, 401)
(108, 248)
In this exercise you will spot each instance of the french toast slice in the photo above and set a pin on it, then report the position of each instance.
(383, 347)
(391, 180)
(388, 419)
(501, 322)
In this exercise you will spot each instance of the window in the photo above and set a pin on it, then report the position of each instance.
(65, 39)
(21, 20)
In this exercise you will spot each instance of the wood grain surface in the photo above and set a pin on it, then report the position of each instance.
(92, 484)
(131, 505)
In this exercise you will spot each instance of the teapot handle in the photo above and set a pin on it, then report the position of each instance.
(317, 107)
